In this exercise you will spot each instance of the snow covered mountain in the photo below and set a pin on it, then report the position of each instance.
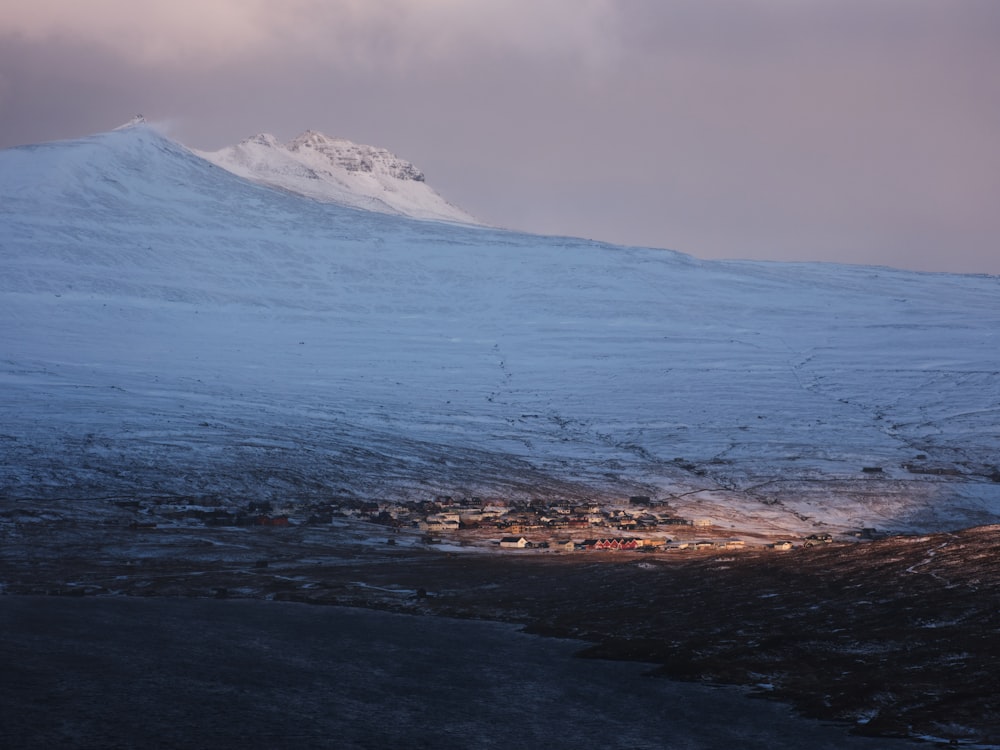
(169, 328)
(336, 170)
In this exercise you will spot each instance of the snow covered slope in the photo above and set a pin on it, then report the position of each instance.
(338, 171)
(167, 328)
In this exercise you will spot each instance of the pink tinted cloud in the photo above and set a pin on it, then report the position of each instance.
(842, 130)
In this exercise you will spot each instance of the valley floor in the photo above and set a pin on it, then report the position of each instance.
(153, 673)
(896, 636)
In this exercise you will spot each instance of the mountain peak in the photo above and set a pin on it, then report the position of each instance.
(356, 157)
(312, 139)
(338, 170)
(137, 120)
(261, 139)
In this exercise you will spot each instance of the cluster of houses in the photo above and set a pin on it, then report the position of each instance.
(568, 545)
(635, 524)
(540, 524)
(632, 544)
(447, 514)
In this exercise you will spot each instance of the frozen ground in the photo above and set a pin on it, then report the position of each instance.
(269, 675)
(167, 328)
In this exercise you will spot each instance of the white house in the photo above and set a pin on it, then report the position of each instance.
(515, 542)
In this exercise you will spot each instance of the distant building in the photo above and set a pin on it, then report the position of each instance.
(514, 542)
(614, 543)
(814, 539)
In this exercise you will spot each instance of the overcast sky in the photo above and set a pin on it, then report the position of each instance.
(861, 131)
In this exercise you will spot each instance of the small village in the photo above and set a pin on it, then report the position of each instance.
(636, 523)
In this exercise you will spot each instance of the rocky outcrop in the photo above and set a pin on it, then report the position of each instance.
(355, 157)
(337, 170)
